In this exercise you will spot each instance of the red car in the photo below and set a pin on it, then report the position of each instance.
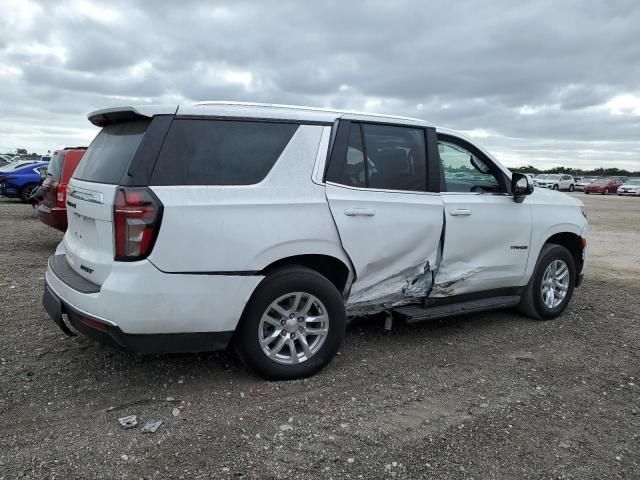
(605, 186)
(52, 210)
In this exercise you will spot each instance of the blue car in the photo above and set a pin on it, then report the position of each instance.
(19, 180)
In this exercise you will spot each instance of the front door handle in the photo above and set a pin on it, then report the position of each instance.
(361, 212)
(460, 212)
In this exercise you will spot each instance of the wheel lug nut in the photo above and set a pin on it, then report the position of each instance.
(283, 322)
(291, 315)
(293, 335)
(283, 333)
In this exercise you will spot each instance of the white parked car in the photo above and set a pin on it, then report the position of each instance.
(194, 227)
(630, 187)
(584, 181)
(555, 182)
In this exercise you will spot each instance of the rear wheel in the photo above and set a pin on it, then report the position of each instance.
(25, 193)
(572, 188)
(606, 191)
(292, 326)
(555, 187)
(551, 286)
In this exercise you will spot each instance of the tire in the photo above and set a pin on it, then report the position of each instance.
(572, 188)
(606, 191)
(26, 192)
(555, 187)
(280, 288)
(586, 193)
(532, 303)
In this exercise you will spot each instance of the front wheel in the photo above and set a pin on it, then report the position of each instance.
(555, 187)
(292, 326)
(606, 191)
(551, 286)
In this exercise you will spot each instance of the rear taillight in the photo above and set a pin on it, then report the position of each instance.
(137, 214)
(61, 195)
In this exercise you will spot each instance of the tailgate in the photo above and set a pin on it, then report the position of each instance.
(88, 241)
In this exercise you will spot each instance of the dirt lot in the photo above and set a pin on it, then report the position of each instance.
(487, 396)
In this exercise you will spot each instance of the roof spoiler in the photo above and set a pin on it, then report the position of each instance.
(108, 116)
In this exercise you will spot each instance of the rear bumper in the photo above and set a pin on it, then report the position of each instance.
(139, 308)
(54, 217)
(114, 337)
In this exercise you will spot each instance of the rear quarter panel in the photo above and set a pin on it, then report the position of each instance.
(245, 228)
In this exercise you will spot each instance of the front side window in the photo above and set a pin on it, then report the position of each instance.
(382, 157)
(465, 172)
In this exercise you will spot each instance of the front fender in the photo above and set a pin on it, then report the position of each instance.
(540, 238)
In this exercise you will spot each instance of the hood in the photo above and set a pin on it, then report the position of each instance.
(553, 197)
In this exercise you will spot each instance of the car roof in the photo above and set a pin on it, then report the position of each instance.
(267, 111)
(249, 110)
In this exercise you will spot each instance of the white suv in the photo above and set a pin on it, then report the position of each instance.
(556, 182)
(194, 227)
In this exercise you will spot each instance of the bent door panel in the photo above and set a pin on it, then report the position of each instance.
(486, 243)
(392, 239)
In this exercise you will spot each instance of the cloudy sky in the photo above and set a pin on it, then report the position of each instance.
(544, 83)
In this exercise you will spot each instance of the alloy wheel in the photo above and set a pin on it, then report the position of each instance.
(27, 191)
(293, 328)
(555, 284)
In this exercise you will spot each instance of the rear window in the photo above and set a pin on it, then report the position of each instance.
(220, 152)
(110, 153)
(55, 165)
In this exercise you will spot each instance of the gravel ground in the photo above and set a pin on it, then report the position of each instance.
(486, 396)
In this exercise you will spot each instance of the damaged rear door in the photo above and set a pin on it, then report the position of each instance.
(389, 223)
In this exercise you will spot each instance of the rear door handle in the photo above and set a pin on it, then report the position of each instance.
(362, 212)
(460, 212)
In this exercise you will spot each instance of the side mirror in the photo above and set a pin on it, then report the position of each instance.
(521, 186)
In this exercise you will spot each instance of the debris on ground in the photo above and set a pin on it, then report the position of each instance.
(130, 421)
(151, 426)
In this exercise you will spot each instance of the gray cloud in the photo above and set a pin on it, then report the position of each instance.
(541, 83)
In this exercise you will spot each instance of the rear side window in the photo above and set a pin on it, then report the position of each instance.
(55, 165)
(383, 157)
(220, 152)
(110, 153)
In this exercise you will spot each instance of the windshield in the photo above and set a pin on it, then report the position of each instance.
(55, 165)
(603, 181)
(553, 177)
(541, 177)
(634, 181)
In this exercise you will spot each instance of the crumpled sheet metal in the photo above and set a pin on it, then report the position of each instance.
(400, 289)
